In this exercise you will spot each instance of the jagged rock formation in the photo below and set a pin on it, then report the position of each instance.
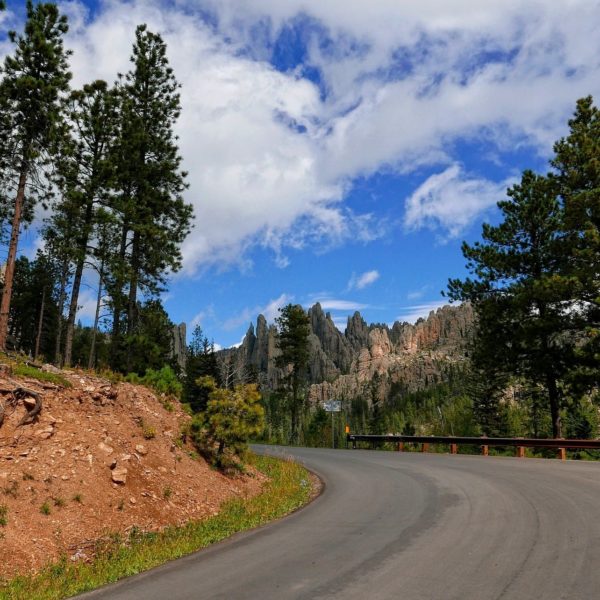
(179, 344)
(365, 360)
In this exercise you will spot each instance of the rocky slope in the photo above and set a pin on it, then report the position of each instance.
(365, 360)
(99, 459)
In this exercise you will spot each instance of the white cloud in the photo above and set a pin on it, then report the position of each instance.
(270, 311)
(451, 201)
(271, 159)
(359, 282)
(417, 294)
(334, 304)
(410, 314)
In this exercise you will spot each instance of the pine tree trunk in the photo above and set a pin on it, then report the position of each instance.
(553, 396)
(12, 255)
(117, 305)
(61, 306)
(92, 357)
(82, 247)
(133, 283)
(40, 325)
(132, 300)
(72, 313)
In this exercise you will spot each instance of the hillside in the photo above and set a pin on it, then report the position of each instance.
(365, 360)
(101, 459)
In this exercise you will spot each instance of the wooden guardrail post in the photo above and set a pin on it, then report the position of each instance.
(562, 453)
(485, 450)
(425, 447)
(520, 451)
(453, 448)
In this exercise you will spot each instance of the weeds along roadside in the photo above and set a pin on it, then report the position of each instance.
(289, 487)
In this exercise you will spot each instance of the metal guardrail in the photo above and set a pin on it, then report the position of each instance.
(561, 445)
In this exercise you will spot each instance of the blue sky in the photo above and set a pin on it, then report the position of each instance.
(341, 150)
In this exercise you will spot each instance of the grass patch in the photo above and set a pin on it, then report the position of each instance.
(3, 515)
(27, 371)
(288, 489)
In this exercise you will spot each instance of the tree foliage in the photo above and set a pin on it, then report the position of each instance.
(535, 285)
(294, 328)
(231, 419)
(33, 80)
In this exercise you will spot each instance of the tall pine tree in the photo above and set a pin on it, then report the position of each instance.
(154, 217)
(33, 80)
(577, 164)
(524, 322)
(294, 328)
(86, 174)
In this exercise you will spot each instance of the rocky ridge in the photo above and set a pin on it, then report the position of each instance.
(365, 360)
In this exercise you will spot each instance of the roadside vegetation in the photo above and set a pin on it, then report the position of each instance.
(289, 487)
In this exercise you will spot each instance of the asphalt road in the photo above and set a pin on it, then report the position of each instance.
(407, 526)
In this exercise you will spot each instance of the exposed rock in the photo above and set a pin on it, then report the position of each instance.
(105, 448)
(366, 360)
(47, 368)
(179, 344)
(141, 449)
(119, 475)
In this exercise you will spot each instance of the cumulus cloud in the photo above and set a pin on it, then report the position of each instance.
(359, 282)
(451, 200)
(272, 154)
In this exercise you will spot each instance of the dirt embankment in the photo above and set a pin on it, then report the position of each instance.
(98, 459)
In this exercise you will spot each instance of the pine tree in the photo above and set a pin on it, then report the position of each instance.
(201, 361)
(577, 164)
(85, 177)
(154, 217)
(33, 80)
(524, 325)
(294, 328)
(232, 418)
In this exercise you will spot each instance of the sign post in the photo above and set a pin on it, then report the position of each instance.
(332, 406)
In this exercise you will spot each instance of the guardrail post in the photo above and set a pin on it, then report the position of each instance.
(562, 453)
(485, 450)
(521, 451)
(453, 448)
(400, 447)
(353, 443)
(425, 447)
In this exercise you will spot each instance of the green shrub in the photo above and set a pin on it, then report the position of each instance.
(164, 381)
(3, 515)
(45, 508)
(232, 417)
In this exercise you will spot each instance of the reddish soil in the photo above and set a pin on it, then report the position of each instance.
(63, 461)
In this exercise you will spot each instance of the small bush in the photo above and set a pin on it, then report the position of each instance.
(148, 431)
(45, 508)
(3, 515)
(78, 498)
(59, 502)
(27, 476)
(167, 493)
(164, 381)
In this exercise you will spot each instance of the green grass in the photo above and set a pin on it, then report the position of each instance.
(27, 371)
(288, 489)
(3, 515)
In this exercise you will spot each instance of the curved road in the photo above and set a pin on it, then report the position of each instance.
(407, 526)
